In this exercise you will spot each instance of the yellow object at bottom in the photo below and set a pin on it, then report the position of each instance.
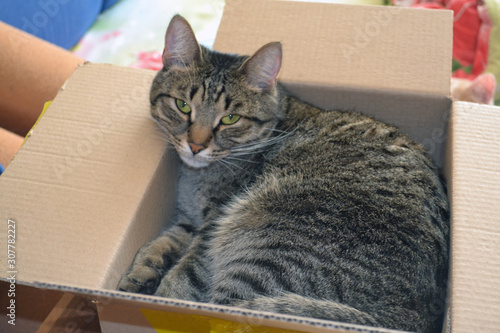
(168, 322)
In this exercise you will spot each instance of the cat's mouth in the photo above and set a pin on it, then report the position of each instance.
(194, 161)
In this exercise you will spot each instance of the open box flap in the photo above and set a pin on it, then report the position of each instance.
(473, 166)
(77, 184)
(386, 48)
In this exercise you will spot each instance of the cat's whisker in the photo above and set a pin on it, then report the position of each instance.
(164, 137)
(252, 149)
(253, 146)
(223, 163)
(230, 157)
(160, 126)
(164, 133)
(250, 153)
(228, 163)
(161, 132)
(276, 130)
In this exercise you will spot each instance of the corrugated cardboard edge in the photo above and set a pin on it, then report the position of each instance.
(110, 298)
(473, 166)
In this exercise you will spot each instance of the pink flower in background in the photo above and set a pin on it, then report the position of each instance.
(149, 60)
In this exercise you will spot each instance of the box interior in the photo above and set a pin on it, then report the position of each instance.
(96, 179)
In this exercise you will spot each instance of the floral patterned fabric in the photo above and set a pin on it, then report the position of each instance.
(131, 33)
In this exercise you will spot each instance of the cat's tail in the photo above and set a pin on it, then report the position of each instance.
(297, 305)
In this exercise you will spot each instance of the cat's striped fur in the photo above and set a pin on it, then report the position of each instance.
(291, 209)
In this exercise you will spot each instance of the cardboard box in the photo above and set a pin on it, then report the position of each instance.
(95, 180)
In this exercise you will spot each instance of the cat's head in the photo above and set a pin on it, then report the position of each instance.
(212, 104)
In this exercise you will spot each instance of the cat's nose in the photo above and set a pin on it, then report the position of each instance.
(196, 148)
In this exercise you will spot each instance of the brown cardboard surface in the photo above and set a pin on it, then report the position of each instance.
(353, 46)
(475, 202)
(94, 181)
(83, 177)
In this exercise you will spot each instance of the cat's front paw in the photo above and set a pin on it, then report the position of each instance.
(141, 279)
(154, 260)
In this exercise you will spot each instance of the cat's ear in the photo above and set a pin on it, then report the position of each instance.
(181, 46)
(261, 70)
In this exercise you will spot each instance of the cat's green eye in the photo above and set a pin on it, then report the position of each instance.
(182, 106)
(230, 119)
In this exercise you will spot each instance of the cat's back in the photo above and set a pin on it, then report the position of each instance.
(348, 210)
(362, 167)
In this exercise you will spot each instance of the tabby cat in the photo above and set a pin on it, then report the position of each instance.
(286, 208)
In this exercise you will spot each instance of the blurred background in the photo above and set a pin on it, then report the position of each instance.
(131, 32)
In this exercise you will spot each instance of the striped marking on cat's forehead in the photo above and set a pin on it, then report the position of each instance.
(194, 90)
(210, 90)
